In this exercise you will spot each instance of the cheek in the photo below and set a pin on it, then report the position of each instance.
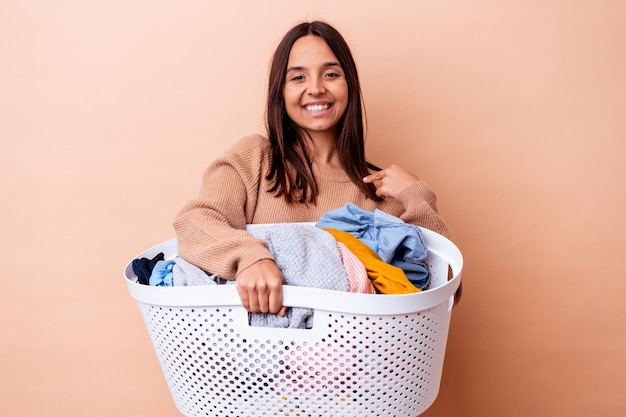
(291, 105)
(341, 94)
(342, 100)
(291, 96)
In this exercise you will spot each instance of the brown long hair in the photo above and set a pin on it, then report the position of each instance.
(291, 173)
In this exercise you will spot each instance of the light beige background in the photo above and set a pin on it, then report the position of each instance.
(513, 111)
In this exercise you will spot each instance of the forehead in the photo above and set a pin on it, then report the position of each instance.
(310, 51)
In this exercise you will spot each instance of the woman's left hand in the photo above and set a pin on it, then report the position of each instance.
(390, 181)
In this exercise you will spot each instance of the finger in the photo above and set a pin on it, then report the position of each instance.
(253, 300)
(263, 299)
(282, 311)
(373, 177)
(276, 300)
(243, 295)
(247, 293)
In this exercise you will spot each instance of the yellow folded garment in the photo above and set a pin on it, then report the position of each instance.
(386, 278)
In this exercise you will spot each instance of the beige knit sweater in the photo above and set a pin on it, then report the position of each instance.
(210, 229)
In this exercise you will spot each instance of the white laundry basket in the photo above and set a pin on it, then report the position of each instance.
(366, 355)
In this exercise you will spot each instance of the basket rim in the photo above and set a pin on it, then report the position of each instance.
(315, 298)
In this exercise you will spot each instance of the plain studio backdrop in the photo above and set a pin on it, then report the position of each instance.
(513, 111)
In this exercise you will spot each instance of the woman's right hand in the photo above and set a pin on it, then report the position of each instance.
(260, 288)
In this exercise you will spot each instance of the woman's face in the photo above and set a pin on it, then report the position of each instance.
(316, 90)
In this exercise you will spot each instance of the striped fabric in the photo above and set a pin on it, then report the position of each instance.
(358, 281)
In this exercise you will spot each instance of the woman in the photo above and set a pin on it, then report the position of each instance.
(312, 162)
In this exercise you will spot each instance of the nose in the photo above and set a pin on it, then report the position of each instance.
(316, 86)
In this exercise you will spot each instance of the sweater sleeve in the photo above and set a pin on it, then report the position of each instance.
(211, 229)
(420, 208)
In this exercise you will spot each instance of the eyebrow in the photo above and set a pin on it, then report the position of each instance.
(326, 65)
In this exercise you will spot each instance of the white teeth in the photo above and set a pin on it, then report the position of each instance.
(317, 107)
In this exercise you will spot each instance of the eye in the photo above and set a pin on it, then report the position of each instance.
(296, 78)
(332, 75)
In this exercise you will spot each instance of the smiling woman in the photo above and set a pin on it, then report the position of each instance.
(316, 95)
(311, 162)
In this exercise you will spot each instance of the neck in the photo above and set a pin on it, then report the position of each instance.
(329, 161)
(323, 149)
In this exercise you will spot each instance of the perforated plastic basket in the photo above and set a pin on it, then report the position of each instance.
(366, 355)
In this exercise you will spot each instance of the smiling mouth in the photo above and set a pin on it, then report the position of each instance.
(317, 107)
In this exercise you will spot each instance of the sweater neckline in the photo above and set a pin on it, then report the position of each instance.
(330, 174)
